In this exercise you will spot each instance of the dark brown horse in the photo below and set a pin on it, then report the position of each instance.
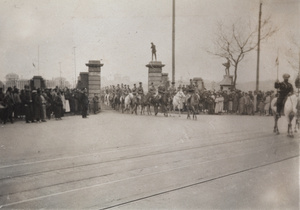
(192, 105)
(162, 100)
(145, 102)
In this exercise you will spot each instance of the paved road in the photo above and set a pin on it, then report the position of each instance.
(123, 161)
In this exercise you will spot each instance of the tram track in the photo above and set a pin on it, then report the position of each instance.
(194, 184)
(239, 138)
(271, 147)
(199, 180)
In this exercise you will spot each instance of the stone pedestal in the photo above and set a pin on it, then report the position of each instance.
(154, 73)
(199, 83)
(227, 82)
(94, 80)
(37, 82)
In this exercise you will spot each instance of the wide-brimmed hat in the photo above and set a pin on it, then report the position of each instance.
(286, 76)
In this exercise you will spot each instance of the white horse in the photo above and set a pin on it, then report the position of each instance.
(106, 99)
(178, 100)
(290, 111)
(130, 99)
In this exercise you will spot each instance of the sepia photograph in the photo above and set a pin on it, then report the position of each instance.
(149, 104)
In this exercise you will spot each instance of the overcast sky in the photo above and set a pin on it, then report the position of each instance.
(119, 33)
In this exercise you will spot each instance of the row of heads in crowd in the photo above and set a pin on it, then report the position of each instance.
(162, 83)
(195, 84)
(41, 90)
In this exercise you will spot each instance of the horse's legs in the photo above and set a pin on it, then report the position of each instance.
(276, 125)
(194, 113)
(296, 125)
(289, 132)
(188, 113)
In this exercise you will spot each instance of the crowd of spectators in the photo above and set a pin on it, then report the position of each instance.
(38, 105)
(238, 102)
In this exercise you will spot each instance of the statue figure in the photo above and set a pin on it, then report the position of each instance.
(153, 50)
(227, 66)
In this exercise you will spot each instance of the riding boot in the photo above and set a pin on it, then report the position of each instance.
(278, 115)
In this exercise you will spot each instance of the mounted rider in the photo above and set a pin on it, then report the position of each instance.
(125, 90)
(284, 90)
(172, 90)
(140, 92)
(134, 89)
(113, 90)
(161, 88)
(118, 90)
(128, 89)
(191, 87)
(152, 89)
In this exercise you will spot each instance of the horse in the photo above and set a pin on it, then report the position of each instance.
(178, 100)
(131, 103)
(192, 105)
(145, 101)
(291, 109)
(161, 100)
(116, 101)
(122, 102)
(111, 100)
(106, 99)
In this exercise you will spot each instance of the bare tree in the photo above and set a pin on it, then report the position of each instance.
(293, 58)
(236, 41)
(293, 53)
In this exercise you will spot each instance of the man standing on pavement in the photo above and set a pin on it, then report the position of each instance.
(85, 103)
(284, 89)
(28, 105)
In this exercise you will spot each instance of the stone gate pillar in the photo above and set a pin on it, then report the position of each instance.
(94, 79)
(154, 73)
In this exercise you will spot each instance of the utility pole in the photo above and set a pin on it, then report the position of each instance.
(173, 42)
(38, 60)
(75, 67)
(258, 48)
(60, 74)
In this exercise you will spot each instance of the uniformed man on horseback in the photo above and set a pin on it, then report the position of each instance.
(118, 90)
(172, 90)
(284, 90)
(161, 89)
(140, 92)
(134, 89)
(152, 89)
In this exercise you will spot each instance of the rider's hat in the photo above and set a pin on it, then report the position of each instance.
(140, 83)
(173, 83)
(286, 76)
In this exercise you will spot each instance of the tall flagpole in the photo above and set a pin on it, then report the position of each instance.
(258, 49)
(75, 67)
(173, 42)
(38, 60)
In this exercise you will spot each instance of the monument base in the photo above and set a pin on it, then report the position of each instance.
(154, 73)
(227, 82)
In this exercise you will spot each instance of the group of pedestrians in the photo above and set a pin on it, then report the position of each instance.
(37, 105)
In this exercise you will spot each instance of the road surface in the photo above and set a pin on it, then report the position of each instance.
(123, 161)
